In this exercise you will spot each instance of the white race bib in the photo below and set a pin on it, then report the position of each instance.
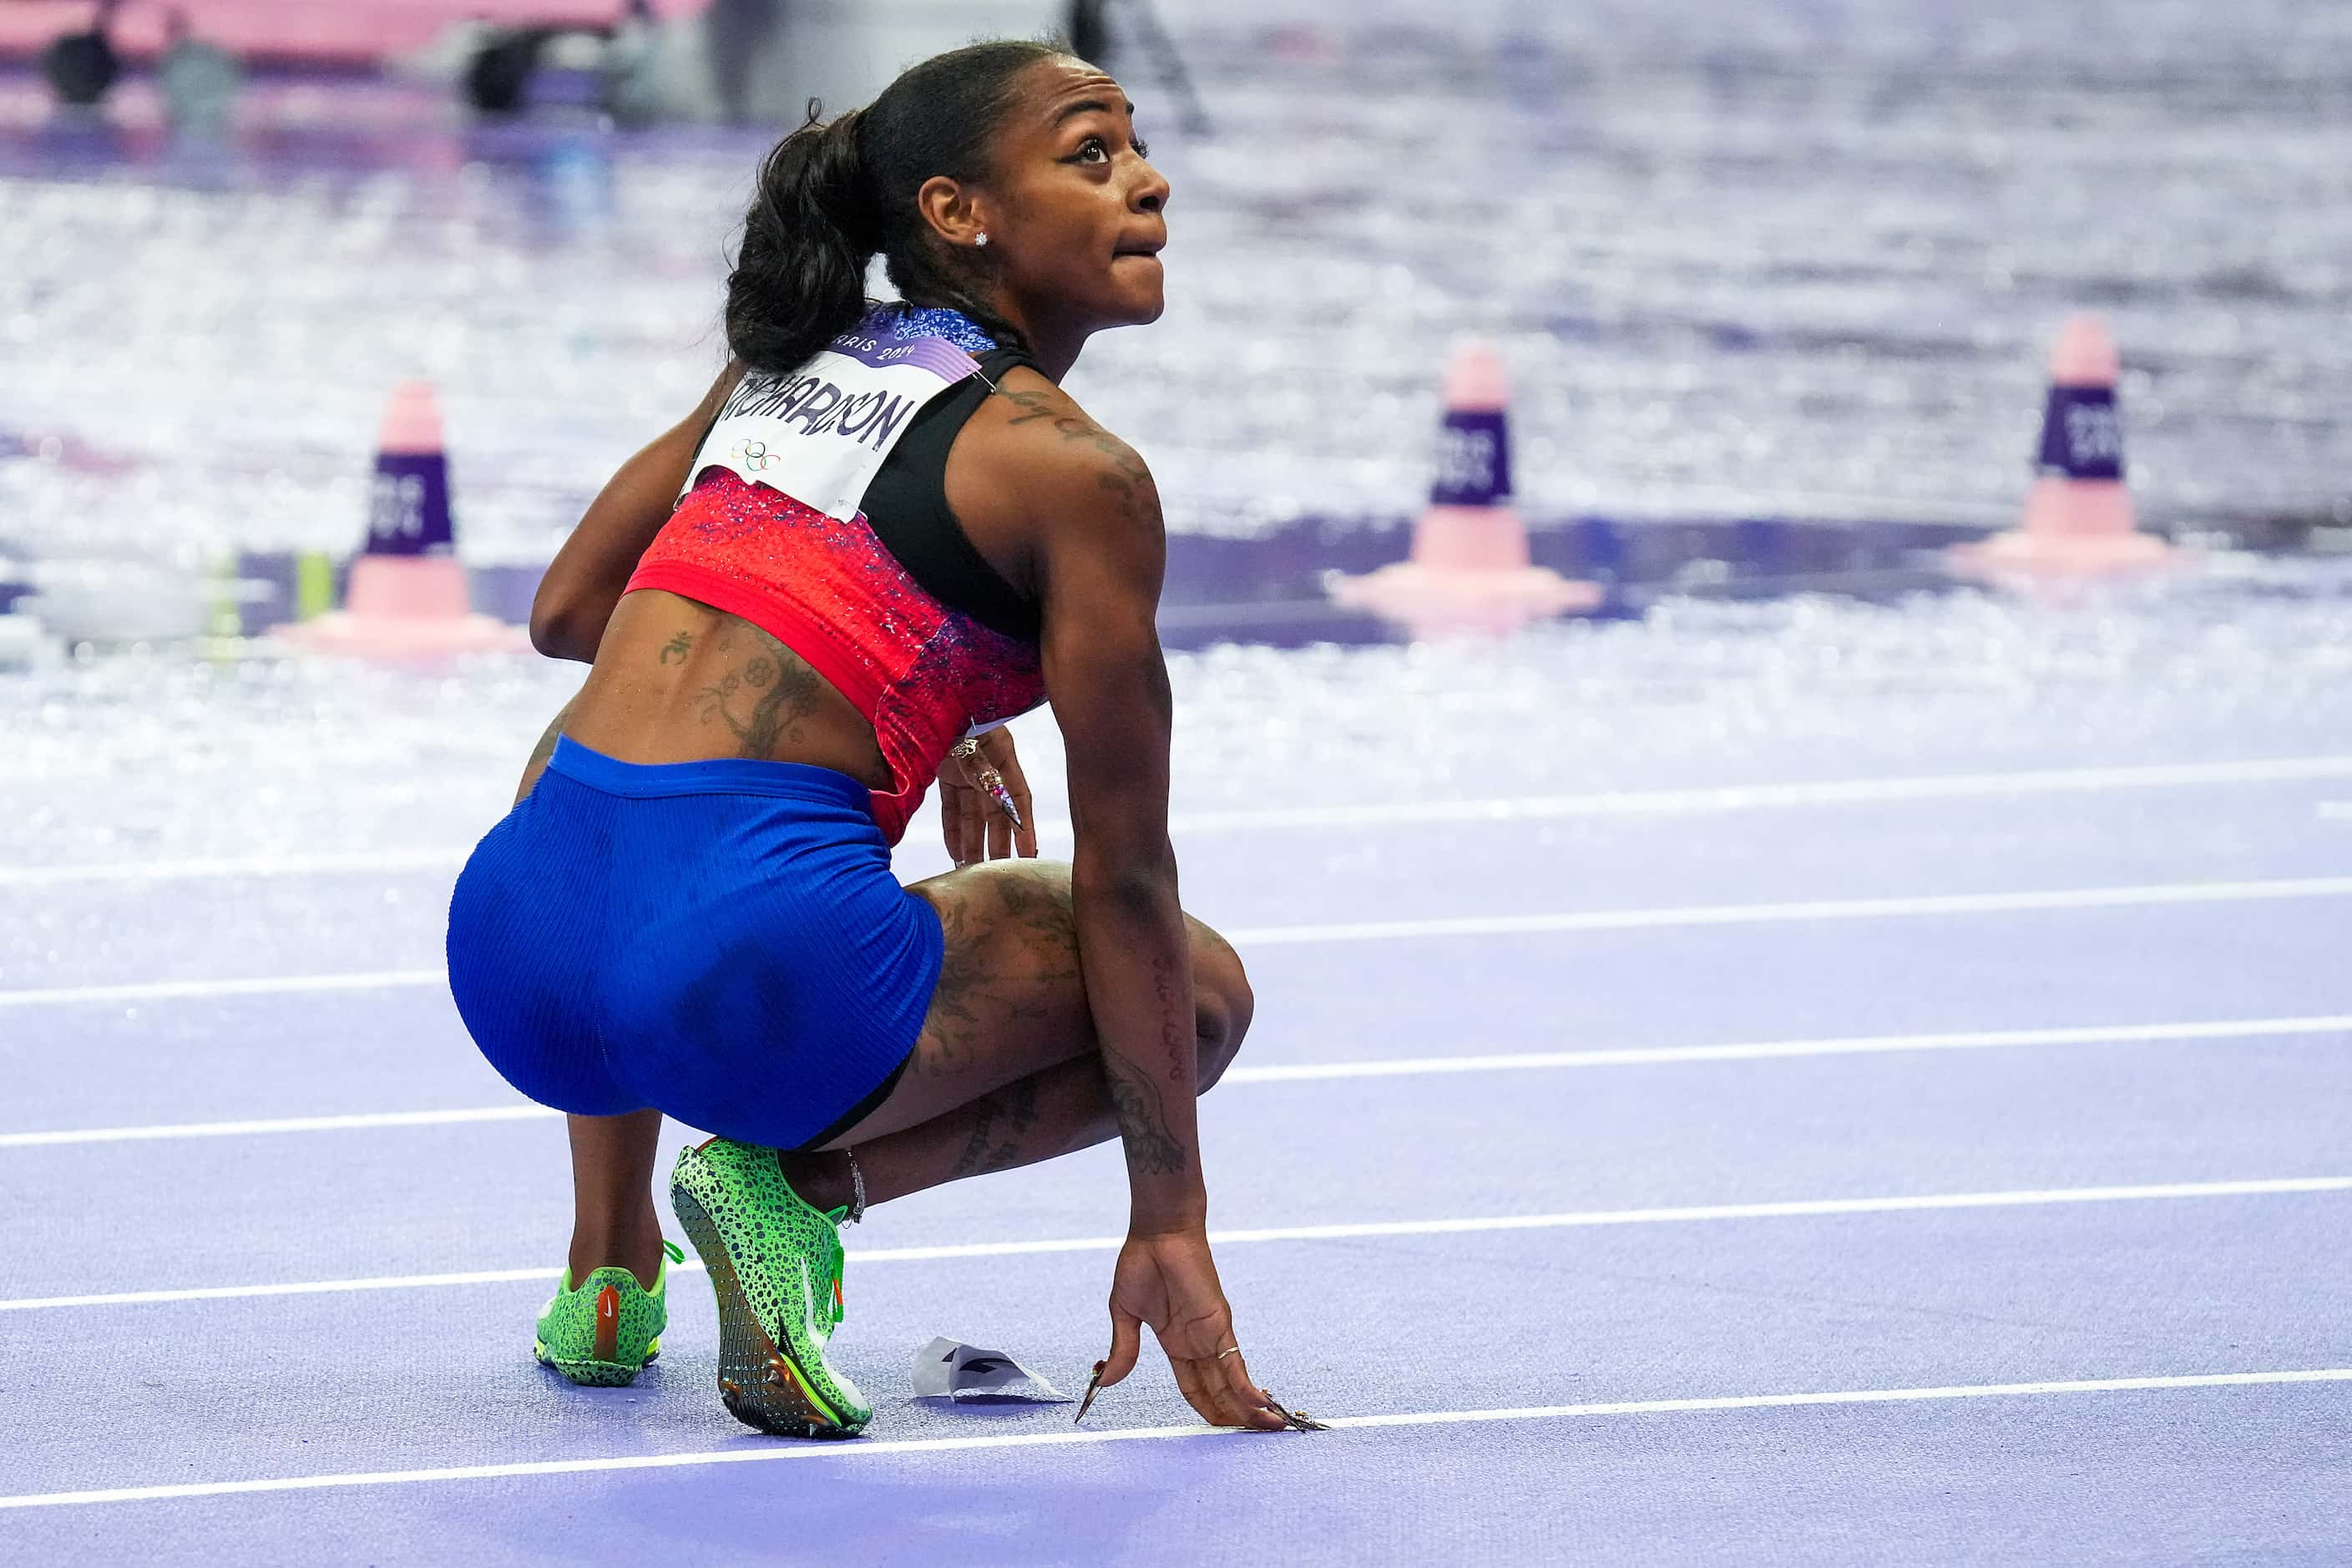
(819, 433)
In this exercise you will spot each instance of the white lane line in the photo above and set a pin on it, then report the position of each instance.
(228, 866)
(2151, 894)
(1753, 797)
(1302, 1072)
(1762, 1050)
(185, 990)
(868, 1448)
(1455, 1225)
(50, 1139)
(1507, 808)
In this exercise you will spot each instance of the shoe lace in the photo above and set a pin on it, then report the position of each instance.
(835, 1260)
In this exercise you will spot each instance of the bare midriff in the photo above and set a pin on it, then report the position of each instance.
(678, 681)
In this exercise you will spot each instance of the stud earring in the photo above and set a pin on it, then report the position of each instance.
(982, 240)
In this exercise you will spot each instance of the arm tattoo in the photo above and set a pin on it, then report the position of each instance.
(1142, 1120)
(1173, 1024)
(1034, 405)
(1128, 480)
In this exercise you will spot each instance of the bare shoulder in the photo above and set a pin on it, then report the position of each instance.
(1033, 447)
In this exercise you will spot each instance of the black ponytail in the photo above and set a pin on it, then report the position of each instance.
(800, 275)
(831, 196)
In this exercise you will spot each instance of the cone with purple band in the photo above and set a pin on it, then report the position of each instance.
(407, 595)
(1469, 568)
(2078, 517)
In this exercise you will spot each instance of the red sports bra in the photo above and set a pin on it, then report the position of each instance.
(924, 673)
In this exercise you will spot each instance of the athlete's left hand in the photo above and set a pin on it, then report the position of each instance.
(971, 821)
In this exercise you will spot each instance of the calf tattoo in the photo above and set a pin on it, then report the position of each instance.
(1012, 1112)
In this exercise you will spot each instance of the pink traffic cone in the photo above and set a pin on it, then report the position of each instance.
(1469, 568)
(407, 590)
(2078, 515)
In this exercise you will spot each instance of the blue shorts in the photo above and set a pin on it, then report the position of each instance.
(722, 941)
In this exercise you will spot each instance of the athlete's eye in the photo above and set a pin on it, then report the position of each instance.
(1096, 149)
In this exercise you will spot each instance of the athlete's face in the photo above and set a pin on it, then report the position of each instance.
(1076, 216)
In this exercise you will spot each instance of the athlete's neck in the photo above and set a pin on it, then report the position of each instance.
(1052, 338)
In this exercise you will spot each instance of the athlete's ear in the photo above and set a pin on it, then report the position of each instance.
(953, 211)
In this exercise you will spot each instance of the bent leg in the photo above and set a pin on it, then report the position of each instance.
(613, 1218)
(1006, 1070)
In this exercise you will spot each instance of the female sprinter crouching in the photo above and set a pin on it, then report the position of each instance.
(895, 530)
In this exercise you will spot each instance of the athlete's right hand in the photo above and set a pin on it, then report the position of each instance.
(971, 821)
(1170, 1282)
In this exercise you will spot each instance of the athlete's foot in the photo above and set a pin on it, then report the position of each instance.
(776, 1266)
(603, 1329)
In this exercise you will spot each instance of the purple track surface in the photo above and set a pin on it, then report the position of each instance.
(2061, 1190)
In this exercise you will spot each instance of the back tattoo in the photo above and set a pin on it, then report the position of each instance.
(765, 693)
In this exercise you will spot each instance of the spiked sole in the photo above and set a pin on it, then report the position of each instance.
(760, 1383)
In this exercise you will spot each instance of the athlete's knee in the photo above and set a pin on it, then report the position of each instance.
(1222, 1006)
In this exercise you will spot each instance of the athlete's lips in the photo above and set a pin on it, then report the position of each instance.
(1142, 247)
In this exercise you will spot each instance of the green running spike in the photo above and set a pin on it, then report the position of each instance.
(602, 1333)
(775, 1265)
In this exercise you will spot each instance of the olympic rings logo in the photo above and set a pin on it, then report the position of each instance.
(755, 455)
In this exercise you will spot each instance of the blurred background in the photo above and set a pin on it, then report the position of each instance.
(1772, 290)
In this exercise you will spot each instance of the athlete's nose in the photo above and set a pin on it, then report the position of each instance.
(1151, 191)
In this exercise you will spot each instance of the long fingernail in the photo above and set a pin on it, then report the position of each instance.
(1094, 1386)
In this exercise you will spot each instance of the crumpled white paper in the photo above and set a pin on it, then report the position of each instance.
(949, 1369)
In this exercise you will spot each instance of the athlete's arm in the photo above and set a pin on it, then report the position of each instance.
(1099, 555)
(1098, 565)
(585, 582)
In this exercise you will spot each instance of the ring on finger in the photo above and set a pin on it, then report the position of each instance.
(1229, 1350)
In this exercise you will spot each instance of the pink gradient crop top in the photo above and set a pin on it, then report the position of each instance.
(885, 598)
